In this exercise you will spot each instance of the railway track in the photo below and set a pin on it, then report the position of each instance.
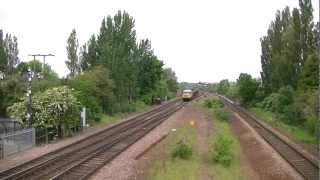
(304, 163)
(82, 158)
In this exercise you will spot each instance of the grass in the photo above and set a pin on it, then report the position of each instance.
(218, 170)
(177, 168)
(137, 106)
(298, 132)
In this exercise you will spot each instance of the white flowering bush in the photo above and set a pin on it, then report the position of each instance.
(54, 107)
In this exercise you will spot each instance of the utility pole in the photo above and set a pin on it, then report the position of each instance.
(30, 75)
(44, 60)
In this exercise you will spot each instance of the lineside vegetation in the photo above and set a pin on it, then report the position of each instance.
(112, 73)
(287, 90)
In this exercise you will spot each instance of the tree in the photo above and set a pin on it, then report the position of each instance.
(223, 87)
(3, 55)
(94, 89)
(171, 78)
(72, 51)
(307, 36)
(289, 41)
(247, 88)
(11, 48)
(310, 74)
(55, 108)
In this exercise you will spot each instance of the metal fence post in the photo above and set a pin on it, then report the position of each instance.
(33, 136)
(46, 134)
(1, 148)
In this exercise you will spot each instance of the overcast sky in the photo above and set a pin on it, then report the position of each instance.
(201, 40)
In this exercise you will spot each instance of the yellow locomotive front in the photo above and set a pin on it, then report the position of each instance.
(187, 95)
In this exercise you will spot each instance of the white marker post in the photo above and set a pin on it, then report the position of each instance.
(83, 117)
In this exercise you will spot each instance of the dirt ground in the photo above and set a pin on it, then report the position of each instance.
(266, 163)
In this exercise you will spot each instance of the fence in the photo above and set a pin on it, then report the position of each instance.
(46, 135)
(17, 141)
(8, 125)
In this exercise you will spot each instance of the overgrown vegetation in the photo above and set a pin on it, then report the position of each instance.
(224, 149)
(288, 87)
(181, 145)
(55, 108)
(182, 150)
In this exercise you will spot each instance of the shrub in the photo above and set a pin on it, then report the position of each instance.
(183, 150)
(217, 103)
(222, 115)
(292, 114)
(222, 150)
(213, 103)
(277, 102)
(55, 107)
(208, 103)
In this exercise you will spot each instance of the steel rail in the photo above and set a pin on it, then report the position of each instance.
(21, 170)
(291, 152)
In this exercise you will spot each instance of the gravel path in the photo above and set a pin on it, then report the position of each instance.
(204, 127)
(264, 160)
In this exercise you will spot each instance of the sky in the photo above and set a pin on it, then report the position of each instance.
(201, 40)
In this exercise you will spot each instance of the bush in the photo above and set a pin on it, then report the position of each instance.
(292, 114)
(183, 150)
(217, 103)
(222, 115)
(208, 103)
(213, 103)
(277, 102)
(55, 107)
(222, 150)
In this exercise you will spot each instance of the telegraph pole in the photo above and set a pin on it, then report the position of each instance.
(44, 60)
(30, 75)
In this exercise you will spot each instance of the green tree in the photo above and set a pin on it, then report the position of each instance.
(72, 51)
(11, 48)
(55, 108)
(309, 77)
(94, 89)
(247, 87)
(3, 55)
(171, 78)
(223, 87)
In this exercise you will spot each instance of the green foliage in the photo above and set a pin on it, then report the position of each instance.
(72, 51)
(247, 87)
(182, 150)
(52, 108)
(3, 54)
(276, 102)
(221, 114)
(296, 108)
(136, 72)
(213, 103)
(222, 150)
(304, 133)
(289, 50)
(11, 90)
(94, 91)
(170, 77)
(310, 73)
(223, 87)
(208, 103)
(161, 91)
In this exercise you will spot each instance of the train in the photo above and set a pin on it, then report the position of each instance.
(189, 94)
